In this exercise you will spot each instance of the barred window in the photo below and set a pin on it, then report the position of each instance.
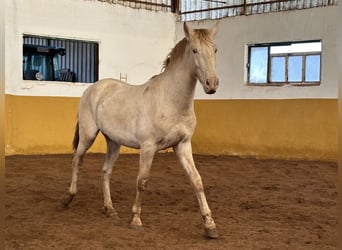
(55, 59)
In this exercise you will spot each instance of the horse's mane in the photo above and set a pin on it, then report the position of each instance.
(201, 34)
(175, 53)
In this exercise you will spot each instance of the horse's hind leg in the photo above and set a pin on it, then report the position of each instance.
(85, 141)
(111, 156)
(146, 158)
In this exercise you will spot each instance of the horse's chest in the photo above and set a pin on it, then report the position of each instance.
(171, 135)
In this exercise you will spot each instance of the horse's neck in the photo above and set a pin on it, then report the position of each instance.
(180, 84)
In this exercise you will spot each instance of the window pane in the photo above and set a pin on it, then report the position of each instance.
(312, 68)
(297, 48)
(278, 69)
(295, 68)
(258, 65)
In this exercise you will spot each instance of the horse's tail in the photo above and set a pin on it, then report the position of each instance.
(76, 137)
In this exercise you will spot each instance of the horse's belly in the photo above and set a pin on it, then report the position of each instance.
(122, 137)
(118, 126)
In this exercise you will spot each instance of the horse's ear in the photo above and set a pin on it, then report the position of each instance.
(188, 31)
(214, 30)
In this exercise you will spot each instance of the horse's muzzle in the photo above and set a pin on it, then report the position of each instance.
(211, 84)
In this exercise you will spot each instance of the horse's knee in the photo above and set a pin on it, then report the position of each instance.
(142, 184)
(77, 160)
(198, 185)
(106, 172)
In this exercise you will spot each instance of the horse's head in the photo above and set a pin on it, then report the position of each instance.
(203, 50)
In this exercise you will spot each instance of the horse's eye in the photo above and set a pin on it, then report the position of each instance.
(195, 51)
(215, 50)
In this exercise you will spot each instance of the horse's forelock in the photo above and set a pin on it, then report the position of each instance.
(202, 35)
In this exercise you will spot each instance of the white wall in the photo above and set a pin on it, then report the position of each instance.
(131, 41)
(136, 41)
(235, 33)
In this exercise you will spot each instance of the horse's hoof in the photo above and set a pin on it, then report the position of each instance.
(66, 199)
(138, 228)
(111, 212)
(211, 233)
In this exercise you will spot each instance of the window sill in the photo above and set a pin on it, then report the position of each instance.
(27, 84)
(289, 84)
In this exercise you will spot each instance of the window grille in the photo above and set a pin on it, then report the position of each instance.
(189, 10)
(157, 5)
(214, 9)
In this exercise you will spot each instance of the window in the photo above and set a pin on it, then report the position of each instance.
(190, 10)
(52, 59)
(296, 63)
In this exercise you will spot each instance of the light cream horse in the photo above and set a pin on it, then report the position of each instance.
(153, 116)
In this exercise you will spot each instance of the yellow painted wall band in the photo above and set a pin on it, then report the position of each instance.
(304, 129)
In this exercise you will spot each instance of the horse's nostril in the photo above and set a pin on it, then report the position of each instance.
(212, 82)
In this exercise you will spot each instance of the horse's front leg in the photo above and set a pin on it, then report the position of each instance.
(184, 153)
(146, 158)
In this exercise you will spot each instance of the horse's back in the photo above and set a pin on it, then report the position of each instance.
(112, 106)
(93, 96)
(101, 90)
(103, 86)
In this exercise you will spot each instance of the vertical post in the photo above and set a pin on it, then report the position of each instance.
(244, 11)
(175, 6)
(2, 126)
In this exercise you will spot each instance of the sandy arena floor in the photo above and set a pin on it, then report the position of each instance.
(257, 204)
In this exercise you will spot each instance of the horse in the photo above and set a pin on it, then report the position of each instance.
(153, 116)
